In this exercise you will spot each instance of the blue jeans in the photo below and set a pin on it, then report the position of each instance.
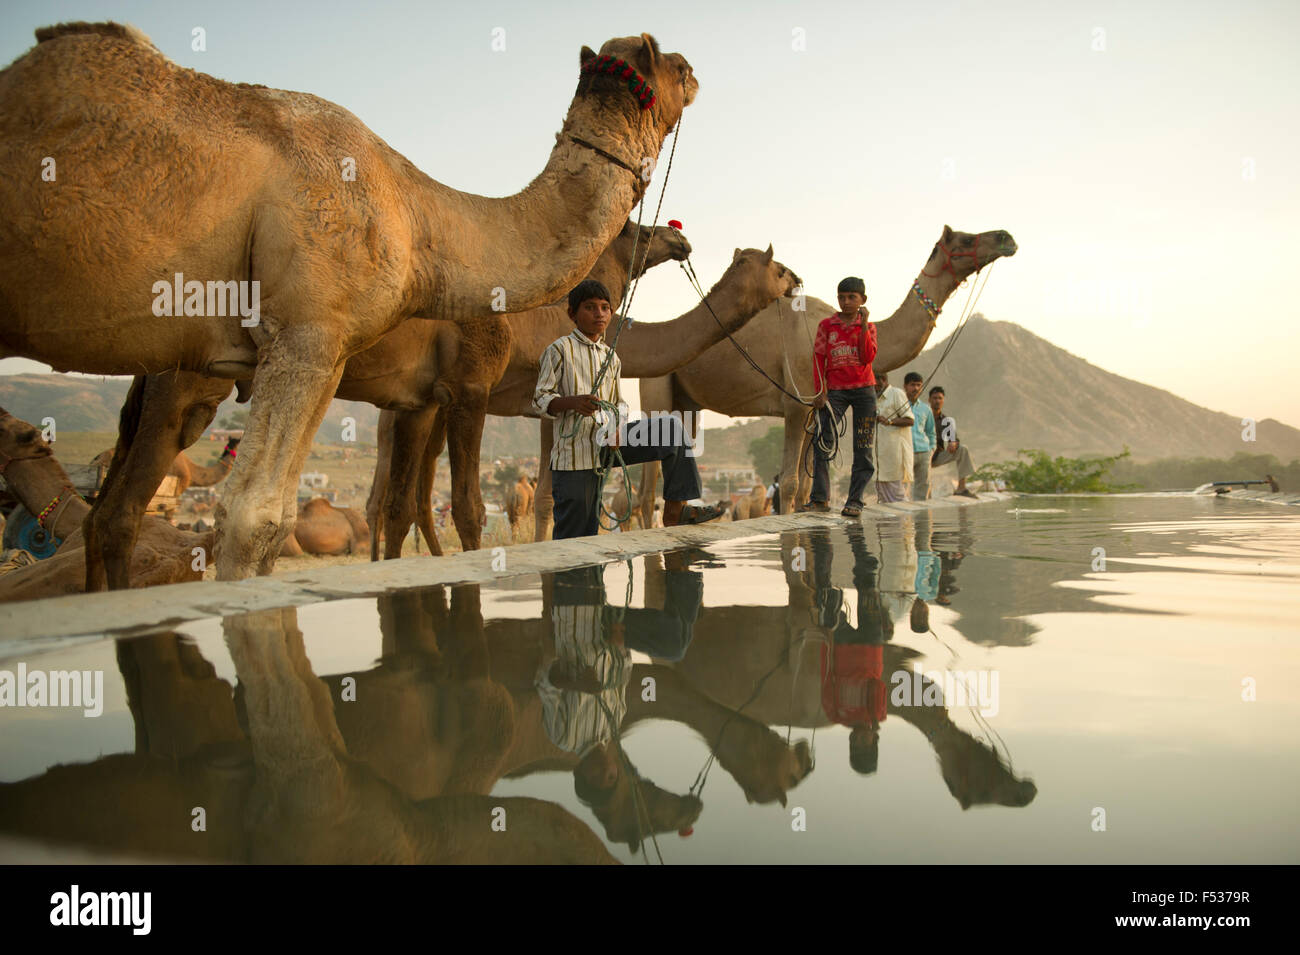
(863, 403)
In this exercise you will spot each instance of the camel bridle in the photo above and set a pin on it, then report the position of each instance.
(949, 255)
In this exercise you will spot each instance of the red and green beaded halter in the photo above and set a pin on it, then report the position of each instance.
(636, 83)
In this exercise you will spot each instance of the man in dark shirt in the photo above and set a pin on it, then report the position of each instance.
(950, 448)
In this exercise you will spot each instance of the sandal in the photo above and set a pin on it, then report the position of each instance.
(815, 507)
(701, 515)
(851, 510)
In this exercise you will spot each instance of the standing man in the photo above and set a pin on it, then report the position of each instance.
(894, 443)
(843, 352)
(923, 436)
(950, 448)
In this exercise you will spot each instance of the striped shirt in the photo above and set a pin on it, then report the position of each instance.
(575, 721)
(569, 367)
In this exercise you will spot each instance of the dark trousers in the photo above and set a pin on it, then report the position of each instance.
(863, 403)
(661, 438)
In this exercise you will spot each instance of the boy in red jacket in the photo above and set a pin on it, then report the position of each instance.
(842, 355)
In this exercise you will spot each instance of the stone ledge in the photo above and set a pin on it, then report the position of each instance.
(127, 612)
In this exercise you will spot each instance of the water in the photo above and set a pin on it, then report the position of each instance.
(1137, 657)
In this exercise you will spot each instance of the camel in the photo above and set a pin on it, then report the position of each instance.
(519, 502)
(188, 474)
(781, 343)
(752, 281)
(467, 365)
(750, 505)
(326, 531)
(166, 554)
(261, 212)
(409, 367)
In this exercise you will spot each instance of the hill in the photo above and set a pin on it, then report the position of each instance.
(1008, 389)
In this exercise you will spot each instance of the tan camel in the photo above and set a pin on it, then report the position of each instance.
(337, 259)
(753, 281)
(750, 505)
(467, 366)
(519, 502)
(166, 554)
(410, 367)
(326, 531)
(720, 380)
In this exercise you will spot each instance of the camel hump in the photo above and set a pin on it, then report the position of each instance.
(122, 31)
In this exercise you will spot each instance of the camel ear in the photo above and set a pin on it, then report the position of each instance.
(585, 54)
(735, 255)
(767, 256)
(947, 235)
(647, 60)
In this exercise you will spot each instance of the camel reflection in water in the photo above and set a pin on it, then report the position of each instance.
(289, 768)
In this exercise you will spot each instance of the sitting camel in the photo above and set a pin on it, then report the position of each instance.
(328, 531)
(751, 282)
(781, 342)
(166, 554)
(751, 505)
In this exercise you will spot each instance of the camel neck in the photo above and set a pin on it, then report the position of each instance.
(903, 335)
(37, 482)
(475, 256)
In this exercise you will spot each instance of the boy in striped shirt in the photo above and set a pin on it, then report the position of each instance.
(585, 435)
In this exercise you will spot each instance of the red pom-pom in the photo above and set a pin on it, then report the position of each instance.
(686, 832)
(651, 103)
(627, 73)
(675, 224)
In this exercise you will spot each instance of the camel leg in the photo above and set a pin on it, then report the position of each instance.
(410, 437)
(429, 469)
(379, 485)
(795, 485)
(543, 501)
(465, 434)
(290, 398)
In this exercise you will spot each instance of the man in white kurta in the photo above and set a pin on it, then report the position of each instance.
(893, 440)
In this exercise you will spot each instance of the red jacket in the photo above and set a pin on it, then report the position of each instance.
(842, 354)
(853, 692)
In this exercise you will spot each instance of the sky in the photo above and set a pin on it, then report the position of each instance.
(1143, 154)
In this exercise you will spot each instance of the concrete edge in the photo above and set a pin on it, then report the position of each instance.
(128, 612)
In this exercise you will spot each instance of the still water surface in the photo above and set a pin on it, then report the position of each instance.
(1072, 679)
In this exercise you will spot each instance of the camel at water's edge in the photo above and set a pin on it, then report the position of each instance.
(720, 380)
(260, 198)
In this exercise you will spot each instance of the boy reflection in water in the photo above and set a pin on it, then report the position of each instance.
(583, 688)
(854, 693)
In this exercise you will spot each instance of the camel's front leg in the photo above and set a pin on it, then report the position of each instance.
(291, 393)
(543, 499)
(465, 434)
(379, 485)
(795, 485)
(410, 437)
(428, 471)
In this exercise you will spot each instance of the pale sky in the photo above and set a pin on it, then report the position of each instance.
(1142, 154)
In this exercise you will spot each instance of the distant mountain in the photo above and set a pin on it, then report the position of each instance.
(1010, 389)
(75, 403)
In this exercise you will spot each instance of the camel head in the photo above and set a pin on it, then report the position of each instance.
(655, 246)
(757, 278)
(977, 776)
(630, 816)
(668, 75)
(20, 441)
(965, 253)
(229, 451)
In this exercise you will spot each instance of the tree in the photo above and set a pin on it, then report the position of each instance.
(766, 453)
(1043, 474)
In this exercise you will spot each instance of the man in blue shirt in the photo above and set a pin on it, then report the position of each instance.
(923, 436)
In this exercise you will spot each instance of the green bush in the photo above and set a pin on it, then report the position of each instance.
(1041, 473)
